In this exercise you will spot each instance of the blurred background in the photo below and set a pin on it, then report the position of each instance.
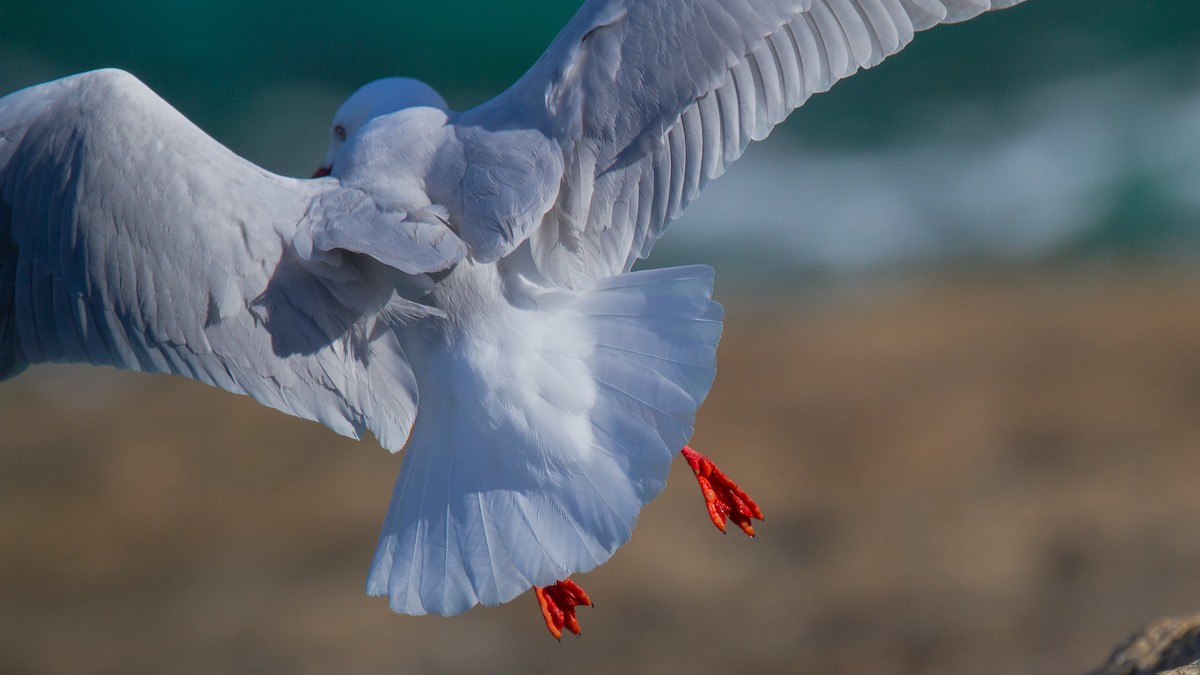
(961, 372)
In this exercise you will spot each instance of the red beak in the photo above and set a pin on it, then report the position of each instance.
(321, 172)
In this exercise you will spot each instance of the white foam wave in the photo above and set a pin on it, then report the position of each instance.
(1045, 178)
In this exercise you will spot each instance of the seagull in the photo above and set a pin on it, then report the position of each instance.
(458, 284)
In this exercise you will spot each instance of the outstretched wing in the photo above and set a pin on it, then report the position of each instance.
(647, 100)
(130, 238)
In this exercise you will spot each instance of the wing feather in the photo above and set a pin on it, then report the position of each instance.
(664, 95)
(130, 238)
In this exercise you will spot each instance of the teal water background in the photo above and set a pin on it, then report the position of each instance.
(1060, 127)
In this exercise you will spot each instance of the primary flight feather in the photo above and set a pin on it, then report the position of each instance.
(457, 283)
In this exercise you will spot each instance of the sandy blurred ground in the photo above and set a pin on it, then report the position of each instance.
(997, 473)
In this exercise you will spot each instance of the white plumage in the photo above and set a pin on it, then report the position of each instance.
(458, 283)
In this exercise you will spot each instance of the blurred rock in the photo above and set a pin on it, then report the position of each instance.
(1168, 646)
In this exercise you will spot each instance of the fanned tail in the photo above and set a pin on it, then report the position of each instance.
(525, 468)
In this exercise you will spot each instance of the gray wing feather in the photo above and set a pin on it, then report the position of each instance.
(648, 101)
(130, 238)
(417, 242)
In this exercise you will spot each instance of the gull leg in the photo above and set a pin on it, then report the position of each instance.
(558, 602)
(722, 496)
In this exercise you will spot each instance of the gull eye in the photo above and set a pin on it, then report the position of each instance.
(339, 132)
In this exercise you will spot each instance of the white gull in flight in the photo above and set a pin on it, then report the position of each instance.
(456, 283)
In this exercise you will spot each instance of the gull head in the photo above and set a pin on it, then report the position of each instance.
(370, 101)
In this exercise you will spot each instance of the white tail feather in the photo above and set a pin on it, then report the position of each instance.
(532, 454)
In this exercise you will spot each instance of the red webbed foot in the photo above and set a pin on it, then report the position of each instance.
(722, 496)
(558, 602)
